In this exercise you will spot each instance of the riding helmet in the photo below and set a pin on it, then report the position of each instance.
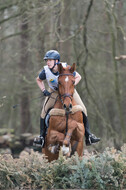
(52, 54)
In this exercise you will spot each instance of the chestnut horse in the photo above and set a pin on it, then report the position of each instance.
(66, 128)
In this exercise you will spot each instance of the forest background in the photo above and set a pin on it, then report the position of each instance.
(91, 33)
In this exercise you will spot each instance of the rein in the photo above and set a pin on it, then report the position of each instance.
(67, 115)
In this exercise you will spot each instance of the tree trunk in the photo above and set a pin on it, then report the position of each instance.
(23, 65)
(65, 44)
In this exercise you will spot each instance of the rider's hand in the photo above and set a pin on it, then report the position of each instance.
(46, 93)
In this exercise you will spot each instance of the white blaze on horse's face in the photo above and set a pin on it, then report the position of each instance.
(67, 79)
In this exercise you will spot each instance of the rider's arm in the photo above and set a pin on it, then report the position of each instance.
(40, 79)
(40, 84)
(77, 78)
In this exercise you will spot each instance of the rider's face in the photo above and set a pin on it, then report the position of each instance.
(50, 63)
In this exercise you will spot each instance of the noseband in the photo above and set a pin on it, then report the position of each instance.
(65, 74)
(66, 94)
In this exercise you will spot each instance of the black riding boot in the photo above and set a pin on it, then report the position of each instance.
(39, 141)
(90, 138)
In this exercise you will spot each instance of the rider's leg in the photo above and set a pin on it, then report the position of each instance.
(39, 141)
(79, 101)
(90, 138)
(49, 103)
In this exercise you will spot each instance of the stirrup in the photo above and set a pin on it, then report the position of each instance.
(37, 144)
(92, 139)
(88, 141)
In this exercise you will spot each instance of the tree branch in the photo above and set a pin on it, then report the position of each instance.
(13, 16)
(6, 6)
(121, 57)
(13, 35)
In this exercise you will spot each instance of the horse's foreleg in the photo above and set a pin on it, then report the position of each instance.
(67, 138)
(71, 127)
(55, 136)
(55, 139)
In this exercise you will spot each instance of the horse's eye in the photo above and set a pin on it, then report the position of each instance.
(73, 82)
(59, 82)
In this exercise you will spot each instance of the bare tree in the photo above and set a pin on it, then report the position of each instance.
(23, 65)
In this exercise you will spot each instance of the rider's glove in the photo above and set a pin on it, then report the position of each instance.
(46, 93)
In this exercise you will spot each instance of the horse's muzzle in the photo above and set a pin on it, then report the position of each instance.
(67, 108)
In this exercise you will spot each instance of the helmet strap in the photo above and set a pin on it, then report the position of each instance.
(53, 65)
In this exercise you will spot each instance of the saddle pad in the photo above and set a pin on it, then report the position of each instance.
(61, 112)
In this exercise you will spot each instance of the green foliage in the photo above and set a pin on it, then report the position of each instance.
(105, 170)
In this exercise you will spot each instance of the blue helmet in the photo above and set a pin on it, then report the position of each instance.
(52, 54)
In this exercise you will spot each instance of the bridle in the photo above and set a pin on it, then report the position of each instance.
(66, 94)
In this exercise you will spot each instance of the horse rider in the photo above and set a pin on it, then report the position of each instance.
(50, 73)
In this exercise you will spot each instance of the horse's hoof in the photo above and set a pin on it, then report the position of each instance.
(54, 149)
(65, 150)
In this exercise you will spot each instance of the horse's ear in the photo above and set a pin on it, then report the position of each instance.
(60, 68)
(73, 68)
